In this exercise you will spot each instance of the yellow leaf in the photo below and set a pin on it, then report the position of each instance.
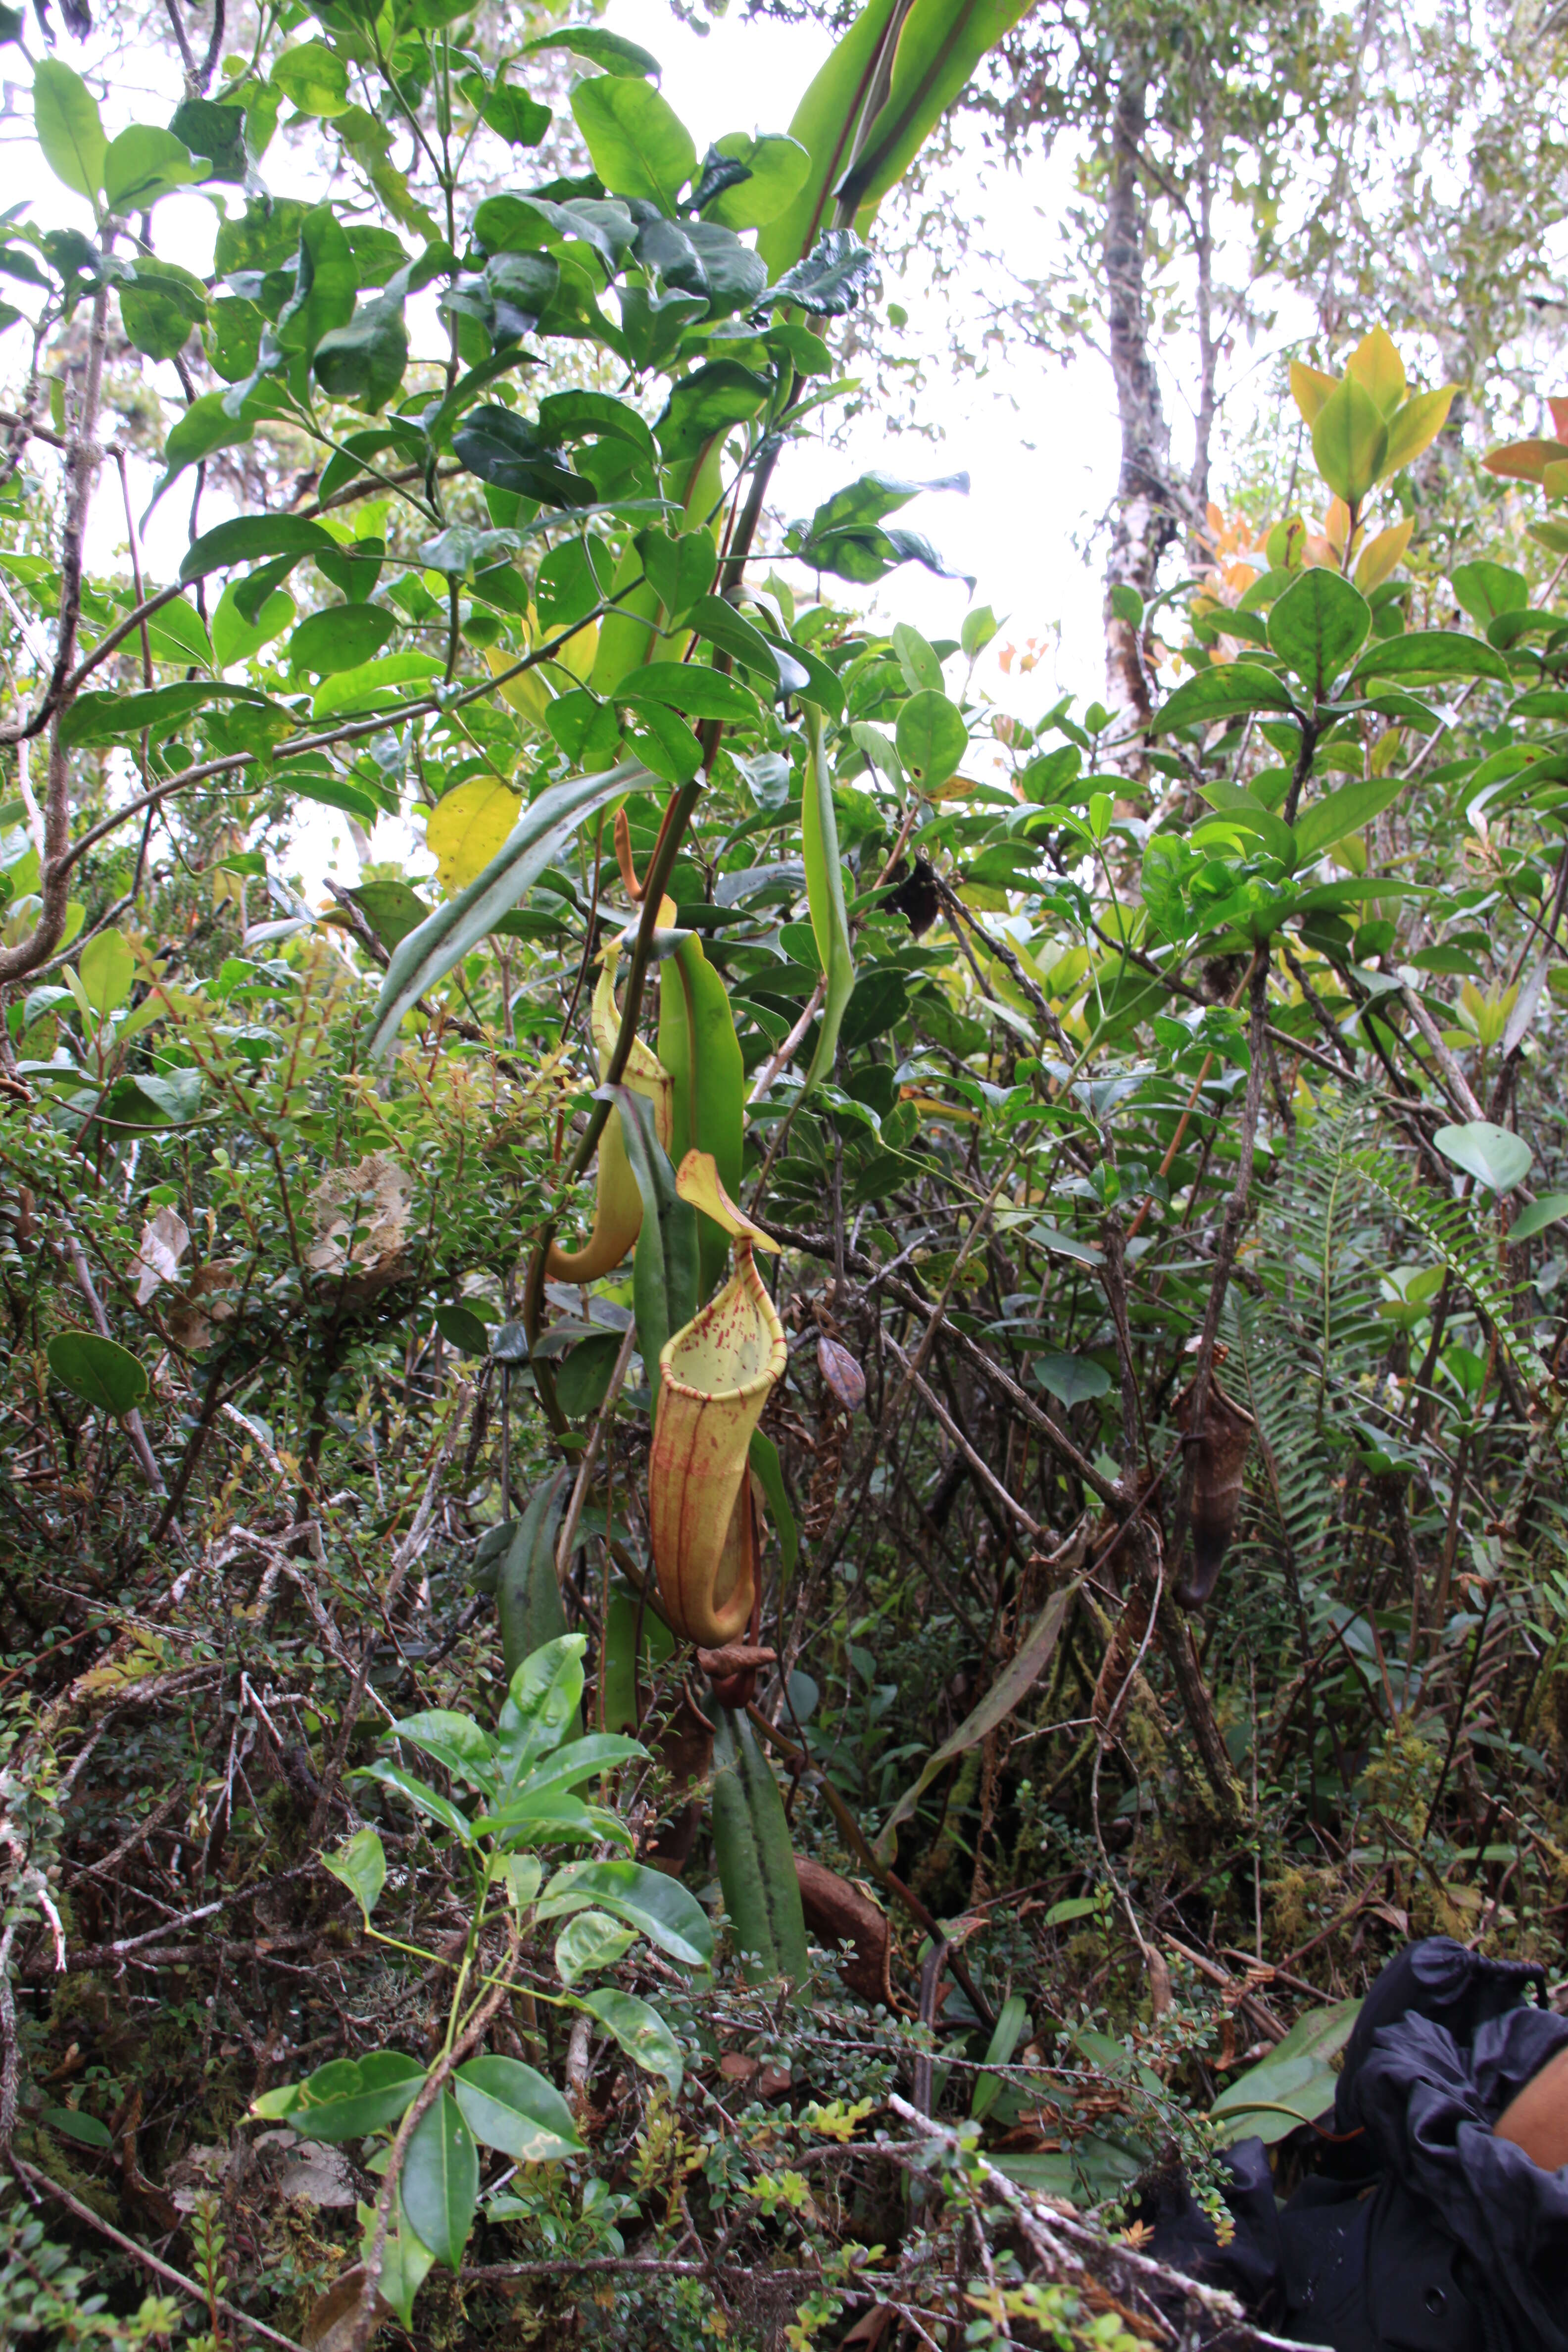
(698, 1181)
(1378, 369)
(468, 826)
(1310, 388)
(527, 693)
(1380, 555)
(579, 652)
(1413, 428)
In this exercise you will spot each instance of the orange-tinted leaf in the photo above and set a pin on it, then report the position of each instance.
(1310, 388)
(1525, 461)
(1380, 555)
(1560, 417)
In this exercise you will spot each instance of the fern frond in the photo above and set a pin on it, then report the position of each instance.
(1449, 1231)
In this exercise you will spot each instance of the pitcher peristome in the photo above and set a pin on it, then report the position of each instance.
(715, 1378)
(617, 1215)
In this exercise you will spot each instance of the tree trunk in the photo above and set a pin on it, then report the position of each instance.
(1146, 511)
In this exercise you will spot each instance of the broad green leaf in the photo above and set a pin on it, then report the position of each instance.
(361, 1863)
(506, 2105)
(1294, 2084)
(1318, 628)
(342, 638)
(932, 738)
(110, 718)
(406, 2265)
(162, 307)
(640, 2031)
(637, 143)
(205, 426)
(439, 2183)
(1070, 1379)
(363, 360)
(1540, 1214)
(462, 1329)
(1350, 441)
(611, 51)
(314, 77)
(99, 1370)
(1493, 1155)
(1485, 589)
(349, 2096)
(249, 539)
(824, 124)
(777, 166)
(374, 682)
(1009, 1690)
(454, 1740)
(1226, 691)
(680, 568)
(716, 619)
(85, 2129)
(107, 969)
(421, 1796)
(1324, 822)
(65, 119)
(705, 402)
(661, 1909)
(326, 284)
(540, 1705)
(1431, 654)
(696, 691)
(825, 895)
(428, 953)
(236, 639)
(591, 1941)
(144, 163)
(581, 1759)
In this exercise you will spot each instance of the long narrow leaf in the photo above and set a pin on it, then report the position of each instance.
(427, 954)
(1009, 1690)
(664, 1268)
(824, 896)
(824, 124)
(939, 49)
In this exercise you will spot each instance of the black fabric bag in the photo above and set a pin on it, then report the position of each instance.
(1420, 2231)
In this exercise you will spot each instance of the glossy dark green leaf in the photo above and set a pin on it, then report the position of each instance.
(248, 538)
(1226, 691)
(1318, 628)
(1433, 654)
(833, 279)
(510, 2106)
(707, 402)
(661, 1909)
(439, 2183)
(363, 360)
